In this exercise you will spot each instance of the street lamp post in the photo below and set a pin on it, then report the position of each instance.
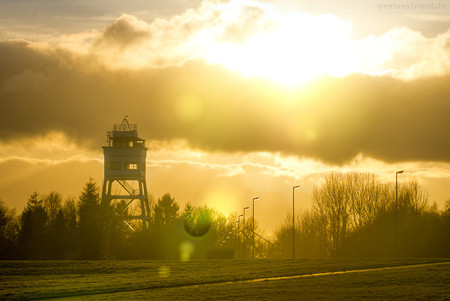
(244, 233)
(293, 222)
(254, 199)
(236, 225)
(239, 221)
(396, 212)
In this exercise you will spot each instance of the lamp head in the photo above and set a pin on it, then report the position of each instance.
(400, 171)
(295, 187)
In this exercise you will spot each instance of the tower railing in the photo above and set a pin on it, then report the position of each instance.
(125, 127)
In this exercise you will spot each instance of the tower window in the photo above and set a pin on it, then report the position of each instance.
(132, 166)
(114, 166)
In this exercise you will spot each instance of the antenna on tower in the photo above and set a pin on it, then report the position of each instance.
(125, 125)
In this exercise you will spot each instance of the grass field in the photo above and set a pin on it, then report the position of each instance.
(308, 279)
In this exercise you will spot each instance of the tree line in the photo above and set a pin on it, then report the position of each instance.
(86, 228)
(353, 215)
(356, 215)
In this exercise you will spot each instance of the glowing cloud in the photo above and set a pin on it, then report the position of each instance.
(257, 39)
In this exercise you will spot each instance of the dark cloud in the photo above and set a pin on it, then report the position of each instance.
(54, 16)
(124, 32)
(330, 119)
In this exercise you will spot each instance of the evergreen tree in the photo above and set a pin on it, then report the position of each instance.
(165, 211)
(57, 229)
(33, 230)
(166, 227)
(90, 230)
(70, 216)
(58, 236)
(115, 230)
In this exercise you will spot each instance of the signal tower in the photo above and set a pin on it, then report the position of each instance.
(124, 166)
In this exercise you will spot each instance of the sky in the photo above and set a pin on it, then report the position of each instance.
(236, 99)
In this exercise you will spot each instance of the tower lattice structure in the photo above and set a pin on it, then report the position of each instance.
(125, 169)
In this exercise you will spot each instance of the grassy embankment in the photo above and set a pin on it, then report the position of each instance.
(224, 279)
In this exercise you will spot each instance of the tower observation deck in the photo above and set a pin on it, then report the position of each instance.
(124, 171)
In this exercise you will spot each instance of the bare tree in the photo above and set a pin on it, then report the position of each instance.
(412, 197)
(332, 203)
(346, 202)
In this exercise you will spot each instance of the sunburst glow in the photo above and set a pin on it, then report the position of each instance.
(257, 39)
(300, 48)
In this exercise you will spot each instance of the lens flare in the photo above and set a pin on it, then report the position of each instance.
(186, 250)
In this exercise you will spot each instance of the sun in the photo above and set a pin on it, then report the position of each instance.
(300, 48)
(221, 198)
